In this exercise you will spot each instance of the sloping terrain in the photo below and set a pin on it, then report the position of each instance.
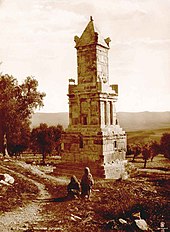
(144, 120)
(51, 119)
(144, 136)
(128, 121)
(110, 200)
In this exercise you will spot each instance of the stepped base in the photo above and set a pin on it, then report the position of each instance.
(108, 171)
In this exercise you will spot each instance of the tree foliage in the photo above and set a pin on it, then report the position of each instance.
(17, 103)
(146, 153)
(165, 145)
(136, 150)
(129, 150)
(155, 149)
(19, 139)
(46, 140)
(133, 149)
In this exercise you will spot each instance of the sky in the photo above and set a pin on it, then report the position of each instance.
(37, 39)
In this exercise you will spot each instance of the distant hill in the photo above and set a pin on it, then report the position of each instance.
(144, 120)
(51, 119)
(128, 121)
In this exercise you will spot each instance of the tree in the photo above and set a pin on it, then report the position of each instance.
(17, 103)
(46, 139)
(129, 150)
(19, 139)
(146, 153)
(165, 145)
(154, 149)
(57, 131)
(136, 150)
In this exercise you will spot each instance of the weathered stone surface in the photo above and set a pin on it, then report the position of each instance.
(93, 134)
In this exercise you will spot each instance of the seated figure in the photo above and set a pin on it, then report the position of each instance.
(73, 188)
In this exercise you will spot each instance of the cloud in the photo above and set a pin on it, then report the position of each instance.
(38, 39)
(1, 2)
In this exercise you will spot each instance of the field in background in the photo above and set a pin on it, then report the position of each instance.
(159, 163)
(145, 136)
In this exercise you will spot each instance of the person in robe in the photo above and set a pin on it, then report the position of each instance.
(73, 188)
(86, 183)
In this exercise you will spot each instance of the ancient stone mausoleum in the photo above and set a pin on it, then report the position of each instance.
(93, 137)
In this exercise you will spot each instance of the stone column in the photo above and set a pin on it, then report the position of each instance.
(105, 112)
(114, 113)
(102, 113)
(108, 113)
(111, 113)
(70, 113)
(79, 109)
(99, 113)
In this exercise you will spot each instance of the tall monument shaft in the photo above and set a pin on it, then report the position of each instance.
(93, 136)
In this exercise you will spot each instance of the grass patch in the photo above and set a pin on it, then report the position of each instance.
(16, 195)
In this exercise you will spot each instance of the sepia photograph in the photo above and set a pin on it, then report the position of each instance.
(85, 115)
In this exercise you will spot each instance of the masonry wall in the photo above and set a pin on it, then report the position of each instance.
(86, 64)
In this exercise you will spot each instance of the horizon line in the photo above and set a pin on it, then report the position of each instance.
(146, 111)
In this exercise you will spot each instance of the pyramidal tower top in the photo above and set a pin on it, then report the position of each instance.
(91, 36)
(92, 58)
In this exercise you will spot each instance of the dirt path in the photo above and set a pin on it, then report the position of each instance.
(22, 218)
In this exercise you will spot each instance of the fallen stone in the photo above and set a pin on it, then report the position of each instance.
(141, 224)
(2, 182)
(9, 179)
(122, 221)
(73, 219)
(76, 217)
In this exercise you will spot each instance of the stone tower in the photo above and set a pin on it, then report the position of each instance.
(93, 137)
